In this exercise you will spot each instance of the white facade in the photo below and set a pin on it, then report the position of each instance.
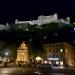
(66, 21)
(44, 20)
(47, 19)
(4, 27)
(41, 20)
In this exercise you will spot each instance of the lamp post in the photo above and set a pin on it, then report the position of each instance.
(6, 56)
(6, 59)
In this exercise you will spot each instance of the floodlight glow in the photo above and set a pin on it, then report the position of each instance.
(74, 28)
(45, 62)
(27, 29)
(61, 50)
(6, 53)
(61, 62)
(45, 37)
(53, 58)
(38, 58)
(66, 50)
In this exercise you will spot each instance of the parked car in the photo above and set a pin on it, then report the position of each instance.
(44, 68)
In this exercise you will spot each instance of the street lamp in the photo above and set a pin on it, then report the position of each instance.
(6, 56)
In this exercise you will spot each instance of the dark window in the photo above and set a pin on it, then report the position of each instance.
(49, 56)
(61, 44)
(49, 45)
(54, 51)
(49, 51)
(53, 56)
(57, 51)
(56, 44)
(53, 45)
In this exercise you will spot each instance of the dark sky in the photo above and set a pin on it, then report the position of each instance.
(30, 9)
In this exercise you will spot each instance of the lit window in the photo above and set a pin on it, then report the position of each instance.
(61, 62)
(57, 62)
(61, 50)
(66, 50)
(49, 62)
(38, 58)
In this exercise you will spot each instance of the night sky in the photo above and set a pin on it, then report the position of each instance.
(31, 9)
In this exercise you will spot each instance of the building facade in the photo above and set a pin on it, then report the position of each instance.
(60, 54)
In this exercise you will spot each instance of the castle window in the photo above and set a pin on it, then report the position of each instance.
(49, 56)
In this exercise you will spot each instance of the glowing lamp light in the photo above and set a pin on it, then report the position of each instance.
(66, 50)
(73, 22)
(45, 37)
(6, 53)
(20, 26)
(49, 62)
(61, 50)
(38, 58)
(45, 62)
(27, 29)
(57, 62)
(61, 62)
(53, 58)
(74, 28)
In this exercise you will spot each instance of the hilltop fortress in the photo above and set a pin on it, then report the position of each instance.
(40, 21)
(44, 20)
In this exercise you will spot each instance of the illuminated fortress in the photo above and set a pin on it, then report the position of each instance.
(44, 20)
